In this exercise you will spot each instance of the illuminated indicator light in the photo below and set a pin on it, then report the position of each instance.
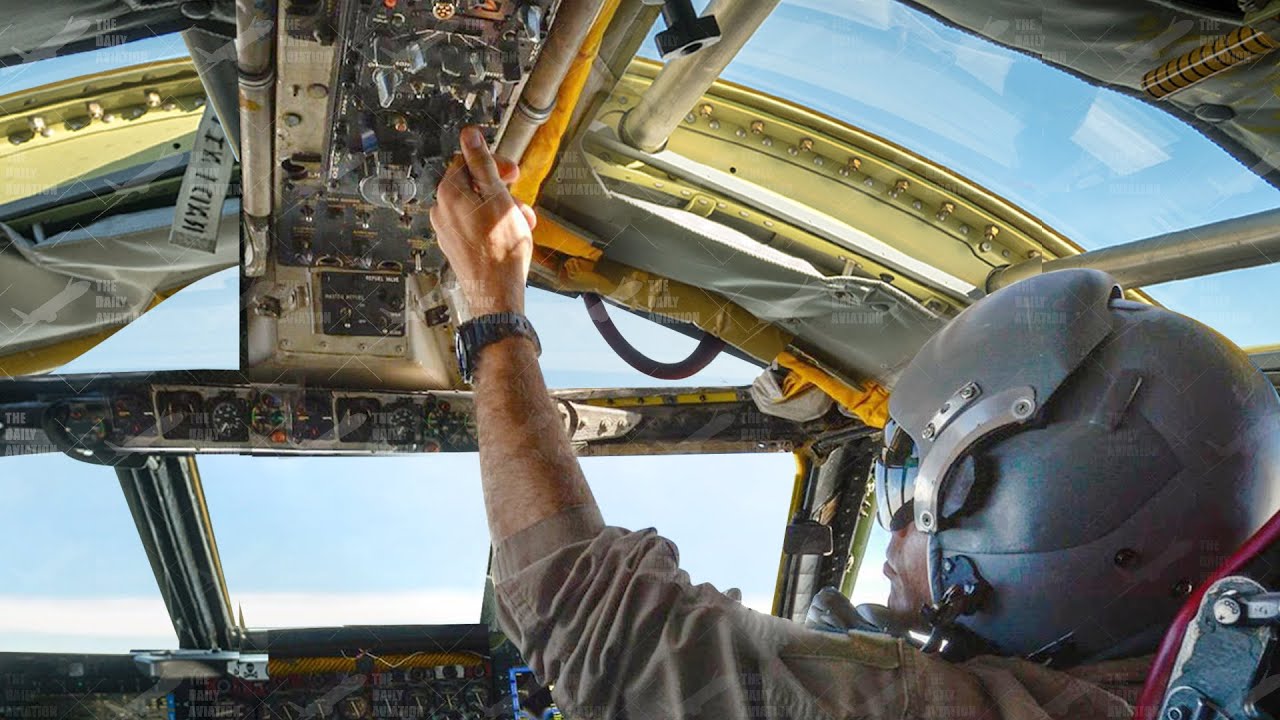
(278, 437)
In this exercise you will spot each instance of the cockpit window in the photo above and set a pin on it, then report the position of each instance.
(41, 68)
(1100, 167)
(333, 541)
(75, 577)
(108, 128)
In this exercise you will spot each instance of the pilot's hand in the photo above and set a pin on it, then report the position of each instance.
(486, 234)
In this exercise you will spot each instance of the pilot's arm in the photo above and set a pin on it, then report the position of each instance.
(606, 615)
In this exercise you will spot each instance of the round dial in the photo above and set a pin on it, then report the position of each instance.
(228, 420)
(402, 425)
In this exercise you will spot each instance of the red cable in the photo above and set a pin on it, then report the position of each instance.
(1158, 677)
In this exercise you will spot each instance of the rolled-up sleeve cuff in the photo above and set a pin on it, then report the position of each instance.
(572, 525)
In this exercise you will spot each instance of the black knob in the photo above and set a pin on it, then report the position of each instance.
(686, 33)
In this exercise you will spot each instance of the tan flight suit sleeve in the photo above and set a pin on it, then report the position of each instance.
(608, 618)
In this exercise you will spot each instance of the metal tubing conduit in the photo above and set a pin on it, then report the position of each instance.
(573, 21)
(683, 82)
(1243, 242)
(255, 44)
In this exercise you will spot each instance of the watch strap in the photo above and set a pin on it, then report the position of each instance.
(476, 334)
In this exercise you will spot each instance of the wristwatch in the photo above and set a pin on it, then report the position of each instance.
(473, 335)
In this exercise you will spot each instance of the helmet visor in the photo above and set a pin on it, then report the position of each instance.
(894, 473)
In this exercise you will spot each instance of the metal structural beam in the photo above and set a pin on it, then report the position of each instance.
(683, 82)
(573, 22)
(1235, 244)
(167, 502)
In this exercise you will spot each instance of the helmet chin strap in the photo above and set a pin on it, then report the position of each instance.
(956, 589)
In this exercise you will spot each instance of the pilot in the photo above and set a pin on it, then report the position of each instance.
(1063, 466)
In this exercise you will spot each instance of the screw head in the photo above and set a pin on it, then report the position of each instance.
(1174, 713)
(968, 391)
(926, 519)
(929, 431)
(706, 110)
(806, 144)
(1227, 611)
(1125, 557)
(1022, 407)
(1182, 588)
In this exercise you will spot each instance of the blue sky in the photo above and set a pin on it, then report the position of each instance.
(403, 539)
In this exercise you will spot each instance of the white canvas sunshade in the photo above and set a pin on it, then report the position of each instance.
(98, 277)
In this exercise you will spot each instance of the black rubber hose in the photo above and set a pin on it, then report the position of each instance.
(708, 348)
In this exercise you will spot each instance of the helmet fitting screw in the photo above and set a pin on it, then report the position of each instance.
(929, 431)
(1022, 408)
(926, 519)
(1125, 557)
(968, 391)
(1182, 588)
(1227, 611)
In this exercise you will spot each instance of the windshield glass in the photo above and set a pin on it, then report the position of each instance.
(36, 69)
(1100, 167)
(75, 577)
(331, 541)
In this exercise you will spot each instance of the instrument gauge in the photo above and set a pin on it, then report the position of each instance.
(229, 419)
(312, 418)
(403, 425)
(356, 419)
